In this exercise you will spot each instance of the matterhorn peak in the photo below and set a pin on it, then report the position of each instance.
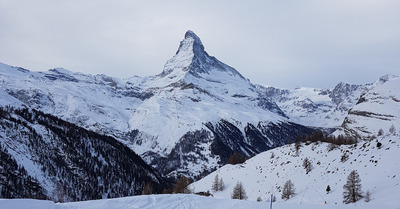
(191, 44)
(192, 60)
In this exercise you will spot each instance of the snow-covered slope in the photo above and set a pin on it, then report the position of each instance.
(267, 172)
(193, 115)
(377, 109)
(176, 202)
(94, 102)
(325, 108)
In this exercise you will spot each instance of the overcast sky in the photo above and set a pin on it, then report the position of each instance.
(288, 43)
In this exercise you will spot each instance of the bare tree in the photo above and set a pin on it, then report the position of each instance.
(297, 146)
(182, 184)
(148, 188)
(288, 190)
(392, 130)
(352, 189)
(236, 158)
(239, 192)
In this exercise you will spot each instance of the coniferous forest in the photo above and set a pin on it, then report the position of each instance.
(75, 164)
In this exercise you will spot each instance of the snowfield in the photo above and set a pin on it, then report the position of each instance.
(177, 201)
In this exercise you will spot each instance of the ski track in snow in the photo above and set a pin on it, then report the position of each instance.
(177, 201)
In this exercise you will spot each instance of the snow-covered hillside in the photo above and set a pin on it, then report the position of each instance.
(176, 202)
(267, 172)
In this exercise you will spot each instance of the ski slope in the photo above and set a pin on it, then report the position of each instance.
(175, 202)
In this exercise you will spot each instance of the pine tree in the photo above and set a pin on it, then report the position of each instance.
(221, 185)
(367, 197)
(328, 189)
(352, 189)
(288, 190)
(380, 132)
(215, 184)
(239, 192)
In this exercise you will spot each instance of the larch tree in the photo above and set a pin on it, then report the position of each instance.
(221, 185)
(215, 184)
(352, 189)
(148, 188)
(182, 184)
(239, 192)
(288, 190)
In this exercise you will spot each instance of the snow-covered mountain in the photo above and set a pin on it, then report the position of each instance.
(193, 115)
(377, 111)
(325, 108)
(266, 173)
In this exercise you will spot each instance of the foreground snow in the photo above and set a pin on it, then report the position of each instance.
(172, 202)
